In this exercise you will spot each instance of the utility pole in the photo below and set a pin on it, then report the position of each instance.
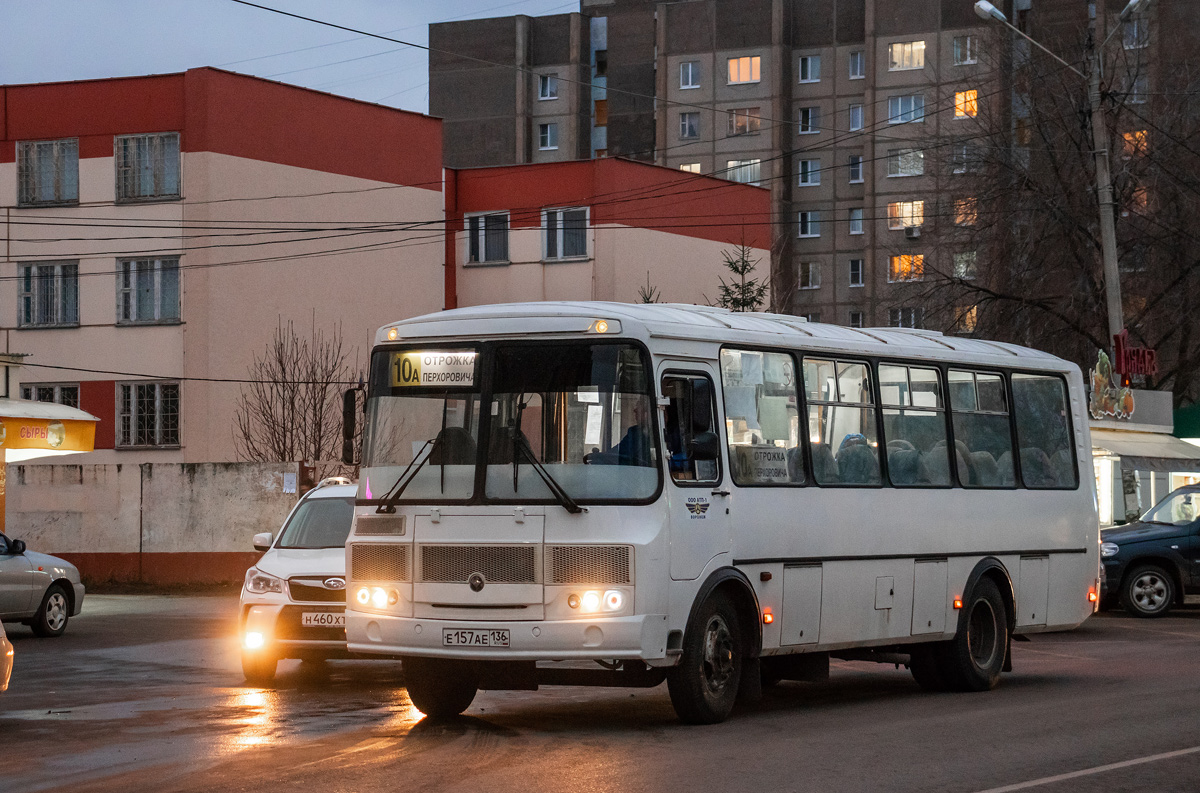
(1104, 195)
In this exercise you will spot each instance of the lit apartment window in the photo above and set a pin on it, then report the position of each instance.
(147, 414)
(966, 212)
(744, 171)
(547, 136)
(906, 55)
(905, 213)
(565, 233)
(1136, 34)
(810, 223)
(966, 50)
(858, 69)
(547, 87)
(744, 70)
(147, 166)
(906, 267)
(904, 317)
(856, 319)
(856, 117)
(49, 294)
(148, 290)
(600, 112)
(689, 125)
(1135, 143)
(689, 74)
(966, 104)
(690, 167)
(810, 68)
(906, 162)
(744, 120)
(810, 172)
(810, 275)
(856, 220)
(906, 109)
(856, 168)
(964, 265)
(810, 121)
(856, 272)
(59, 393)
(47, 172)
(967, 318)
(487, 237)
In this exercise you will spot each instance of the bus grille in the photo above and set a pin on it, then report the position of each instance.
(588, 564)
(501, 564)
(379, 562)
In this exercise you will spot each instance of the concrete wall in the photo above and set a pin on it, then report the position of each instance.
(155, 522)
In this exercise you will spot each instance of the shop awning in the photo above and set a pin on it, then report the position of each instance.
(1148, 451)
(31, 429)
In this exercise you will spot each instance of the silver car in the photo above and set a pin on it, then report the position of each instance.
(37, 589)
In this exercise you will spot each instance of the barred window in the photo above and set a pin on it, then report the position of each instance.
(47, 172)
(148, 290)
(147, 414)
(59, 393)
(147, 166)
(49, 294)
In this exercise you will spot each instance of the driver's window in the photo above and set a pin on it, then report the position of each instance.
(4, 549)
(693, 447)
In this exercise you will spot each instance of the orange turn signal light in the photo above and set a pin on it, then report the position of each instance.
(768, 617)
(958, 603)
(1092, 596)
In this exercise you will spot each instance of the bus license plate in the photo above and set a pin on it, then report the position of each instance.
(472, 638)
(322, 619)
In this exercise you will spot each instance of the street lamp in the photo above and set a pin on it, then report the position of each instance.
(1108, 230)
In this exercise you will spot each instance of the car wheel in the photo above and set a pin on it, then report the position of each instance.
(52, 615)
(259, 668)
(440, 688)
(974, 658)
(704, 686)
(1148, 591)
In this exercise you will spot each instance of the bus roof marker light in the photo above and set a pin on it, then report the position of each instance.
(393, 334)
(605, 326)
(601, 326)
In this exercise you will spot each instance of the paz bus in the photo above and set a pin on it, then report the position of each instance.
(617, 494)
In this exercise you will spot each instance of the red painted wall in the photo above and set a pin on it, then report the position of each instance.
(99, 397)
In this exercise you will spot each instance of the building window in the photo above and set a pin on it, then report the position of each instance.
(1139, 88)
(964, 265)
(904, 317)
(600, 112)
(856, 168)
(966, 50)
(1135, 143)
(856, 117)
(906, 267)
(810, 223)
(689, 125)
(49, 294)
(964, 158)
(744, 121)
(858, 69)
(487, 237)
(690, 167)
(812, 316)
(147, 414)
(744, 171)
(547, 136)
(966, 212)
(905, 213)
(147, 166)
(856, 319)
(810, 120)
(906, 162)
(966, 104)
(906, 55)
(810, 68)
(744, 70)
(601, 63)
(856, 272)
(856, 220)
(810, 172)
(1136, 34)
(59, 393)
(810, 275)
(966, 318)
(566, 233)
(148, 290)
(689, 74)
(547, 87)
(906, 109)
(47, 172)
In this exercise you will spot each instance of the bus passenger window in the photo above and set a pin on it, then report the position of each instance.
(762, 418)
(841, 423)
(693, 446)
(1043, 431)
(982, 438)
(914, 426)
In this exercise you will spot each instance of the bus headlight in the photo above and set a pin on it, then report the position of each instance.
(377, 597)
(614, 600)
(1109, 549)
(594, 601)
(590, 602)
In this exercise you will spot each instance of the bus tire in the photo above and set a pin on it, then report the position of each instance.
(704, 686)
(973, 659)
(926, 664)
(440, 688)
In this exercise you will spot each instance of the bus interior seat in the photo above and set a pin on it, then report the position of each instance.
(1036, 468)
(937, 463)
(1004, 464)
(857, 464)
(453, 446)
(904, 466)
(795, 463)
(825, 467)
(899, 443)
(1063, 467)
(984, 469)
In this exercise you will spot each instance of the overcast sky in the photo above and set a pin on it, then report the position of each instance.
(51, 40)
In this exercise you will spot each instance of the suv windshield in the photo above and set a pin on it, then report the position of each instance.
(1178, 509)
(318, 523)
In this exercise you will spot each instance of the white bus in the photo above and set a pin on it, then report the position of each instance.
(716, 499)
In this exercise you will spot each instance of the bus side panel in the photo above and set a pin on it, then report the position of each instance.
(866, 600)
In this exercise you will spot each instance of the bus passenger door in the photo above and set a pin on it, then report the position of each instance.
(698, 498)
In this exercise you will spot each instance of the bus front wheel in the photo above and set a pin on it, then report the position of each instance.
(704, 686)
(440, 688)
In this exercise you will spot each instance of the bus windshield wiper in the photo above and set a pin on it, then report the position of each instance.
(521, 443)
(389, 499)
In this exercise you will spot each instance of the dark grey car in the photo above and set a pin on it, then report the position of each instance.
(1150, 564)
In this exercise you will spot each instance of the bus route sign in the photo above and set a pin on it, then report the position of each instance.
(433, 369)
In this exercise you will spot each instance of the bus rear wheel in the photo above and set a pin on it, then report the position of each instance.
(704, 686)
(973, 660)
(440, 688)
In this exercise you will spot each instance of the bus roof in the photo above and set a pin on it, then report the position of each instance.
(686, 322)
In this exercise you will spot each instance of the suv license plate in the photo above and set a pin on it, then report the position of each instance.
(474, 638)
(322, 619)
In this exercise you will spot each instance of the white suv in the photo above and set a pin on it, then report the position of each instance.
(294, 598)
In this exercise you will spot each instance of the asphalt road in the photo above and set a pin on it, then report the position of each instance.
(145, 693)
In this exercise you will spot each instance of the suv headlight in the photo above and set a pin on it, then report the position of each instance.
(1109, 549)
(260, 583)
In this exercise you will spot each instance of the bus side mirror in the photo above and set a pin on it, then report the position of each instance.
(706, 446)
(349, 416)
